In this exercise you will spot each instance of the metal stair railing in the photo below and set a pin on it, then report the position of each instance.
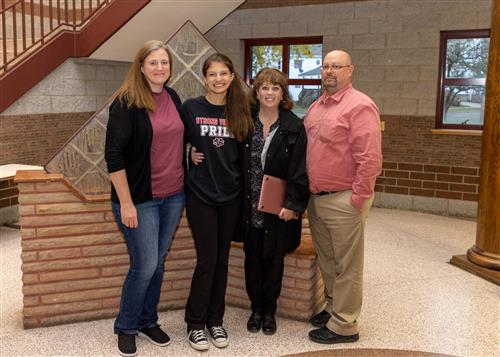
(29, 24)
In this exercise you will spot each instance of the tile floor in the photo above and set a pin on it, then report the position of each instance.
(414, 300)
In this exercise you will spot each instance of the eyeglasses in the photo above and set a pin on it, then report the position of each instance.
(333, 67)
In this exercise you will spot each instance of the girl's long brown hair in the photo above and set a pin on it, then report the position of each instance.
(237, 110)
(135, 90)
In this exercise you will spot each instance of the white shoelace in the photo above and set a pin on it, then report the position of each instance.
(198, 336)
(218, 332)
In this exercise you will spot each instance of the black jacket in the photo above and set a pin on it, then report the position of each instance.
(128, 146)
(286, 159)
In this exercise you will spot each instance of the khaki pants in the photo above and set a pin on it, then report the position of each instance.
(338, 236)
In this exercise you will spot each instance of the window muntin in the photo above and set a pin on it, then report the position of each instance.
(462, 80)
(299, 58)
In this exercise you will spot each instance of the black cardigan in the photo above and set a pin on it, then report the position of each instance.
(128, 146)
(286, 159)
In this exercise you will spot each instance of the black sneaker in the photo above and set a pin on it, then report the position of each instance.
(326, 336)
(126, 345)
(155, 335)
(198, 340)
(320, 320)
(218, 335)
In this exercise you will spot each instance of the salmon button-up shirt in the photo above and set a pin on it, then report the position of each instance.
(344, 144)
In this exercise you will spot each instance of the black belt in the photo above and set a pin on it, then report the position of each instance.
(322, 193)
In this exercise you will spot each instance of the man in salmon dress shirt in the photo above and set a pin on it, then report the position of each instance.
(344, 158)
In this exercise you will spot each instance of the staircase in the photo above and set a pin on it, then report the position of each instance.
(36, 36)
(41, 34)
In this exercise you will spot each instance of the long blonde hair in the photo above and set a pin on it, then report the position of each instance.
(135, 90)
(237, 108)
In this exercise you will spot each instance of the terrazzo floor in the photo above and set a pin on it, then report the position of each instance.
(414, 300)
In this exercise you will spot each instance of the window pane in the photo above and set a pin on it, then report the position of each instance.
(467, 58)
(266, 56)
(463, 105)
(302, 97)
(305, 61)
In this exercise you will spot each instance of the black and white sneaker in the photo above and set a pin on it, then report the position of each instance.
(198, 340)
(126, 345)
(218, 335)
(155, 335)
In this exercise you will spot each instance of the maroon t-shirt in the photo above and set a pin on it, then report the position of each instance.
(167, 172)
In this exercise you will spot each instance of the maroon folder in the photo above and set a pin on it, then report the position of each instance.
(272, 195)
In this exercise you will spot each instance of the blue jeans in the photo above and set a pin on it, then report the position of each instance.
(147, 247)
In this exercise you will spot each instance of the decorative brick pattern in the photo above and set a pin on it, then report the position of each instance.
(430, 181)
(74, 261)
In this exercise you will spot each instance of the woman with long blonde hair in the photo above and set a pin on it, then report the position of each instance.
(144, 155)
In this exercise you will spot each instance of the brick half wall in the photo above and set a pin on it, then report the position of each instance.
(424, 171)
(74, 260)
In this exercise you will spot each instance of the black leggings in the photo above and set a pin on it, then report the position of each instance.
(213, 228)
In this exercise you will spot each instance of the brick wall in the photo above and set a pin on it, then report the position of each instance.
(428, 172)
(74, 260)
(43, 119)
(8, 192)
(409, 139)
(419, 163)
(452, 182)
(33, 138)
(8, 201)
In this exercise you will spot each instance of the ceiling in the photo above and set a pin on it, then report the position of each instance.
(160, 19)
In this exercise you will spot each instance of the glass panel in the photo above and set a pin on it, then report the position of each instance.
(266, 56)
(463, 105)
(467, 58)
(82, 159)
(302, 97)
(305, 61)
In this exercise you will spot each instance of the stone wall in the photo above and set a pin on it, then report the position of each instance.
(394, 43)
(395, 48)
(42, 120)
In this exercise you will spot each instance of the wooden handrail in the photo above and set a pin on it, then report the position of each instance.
(66, 19)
